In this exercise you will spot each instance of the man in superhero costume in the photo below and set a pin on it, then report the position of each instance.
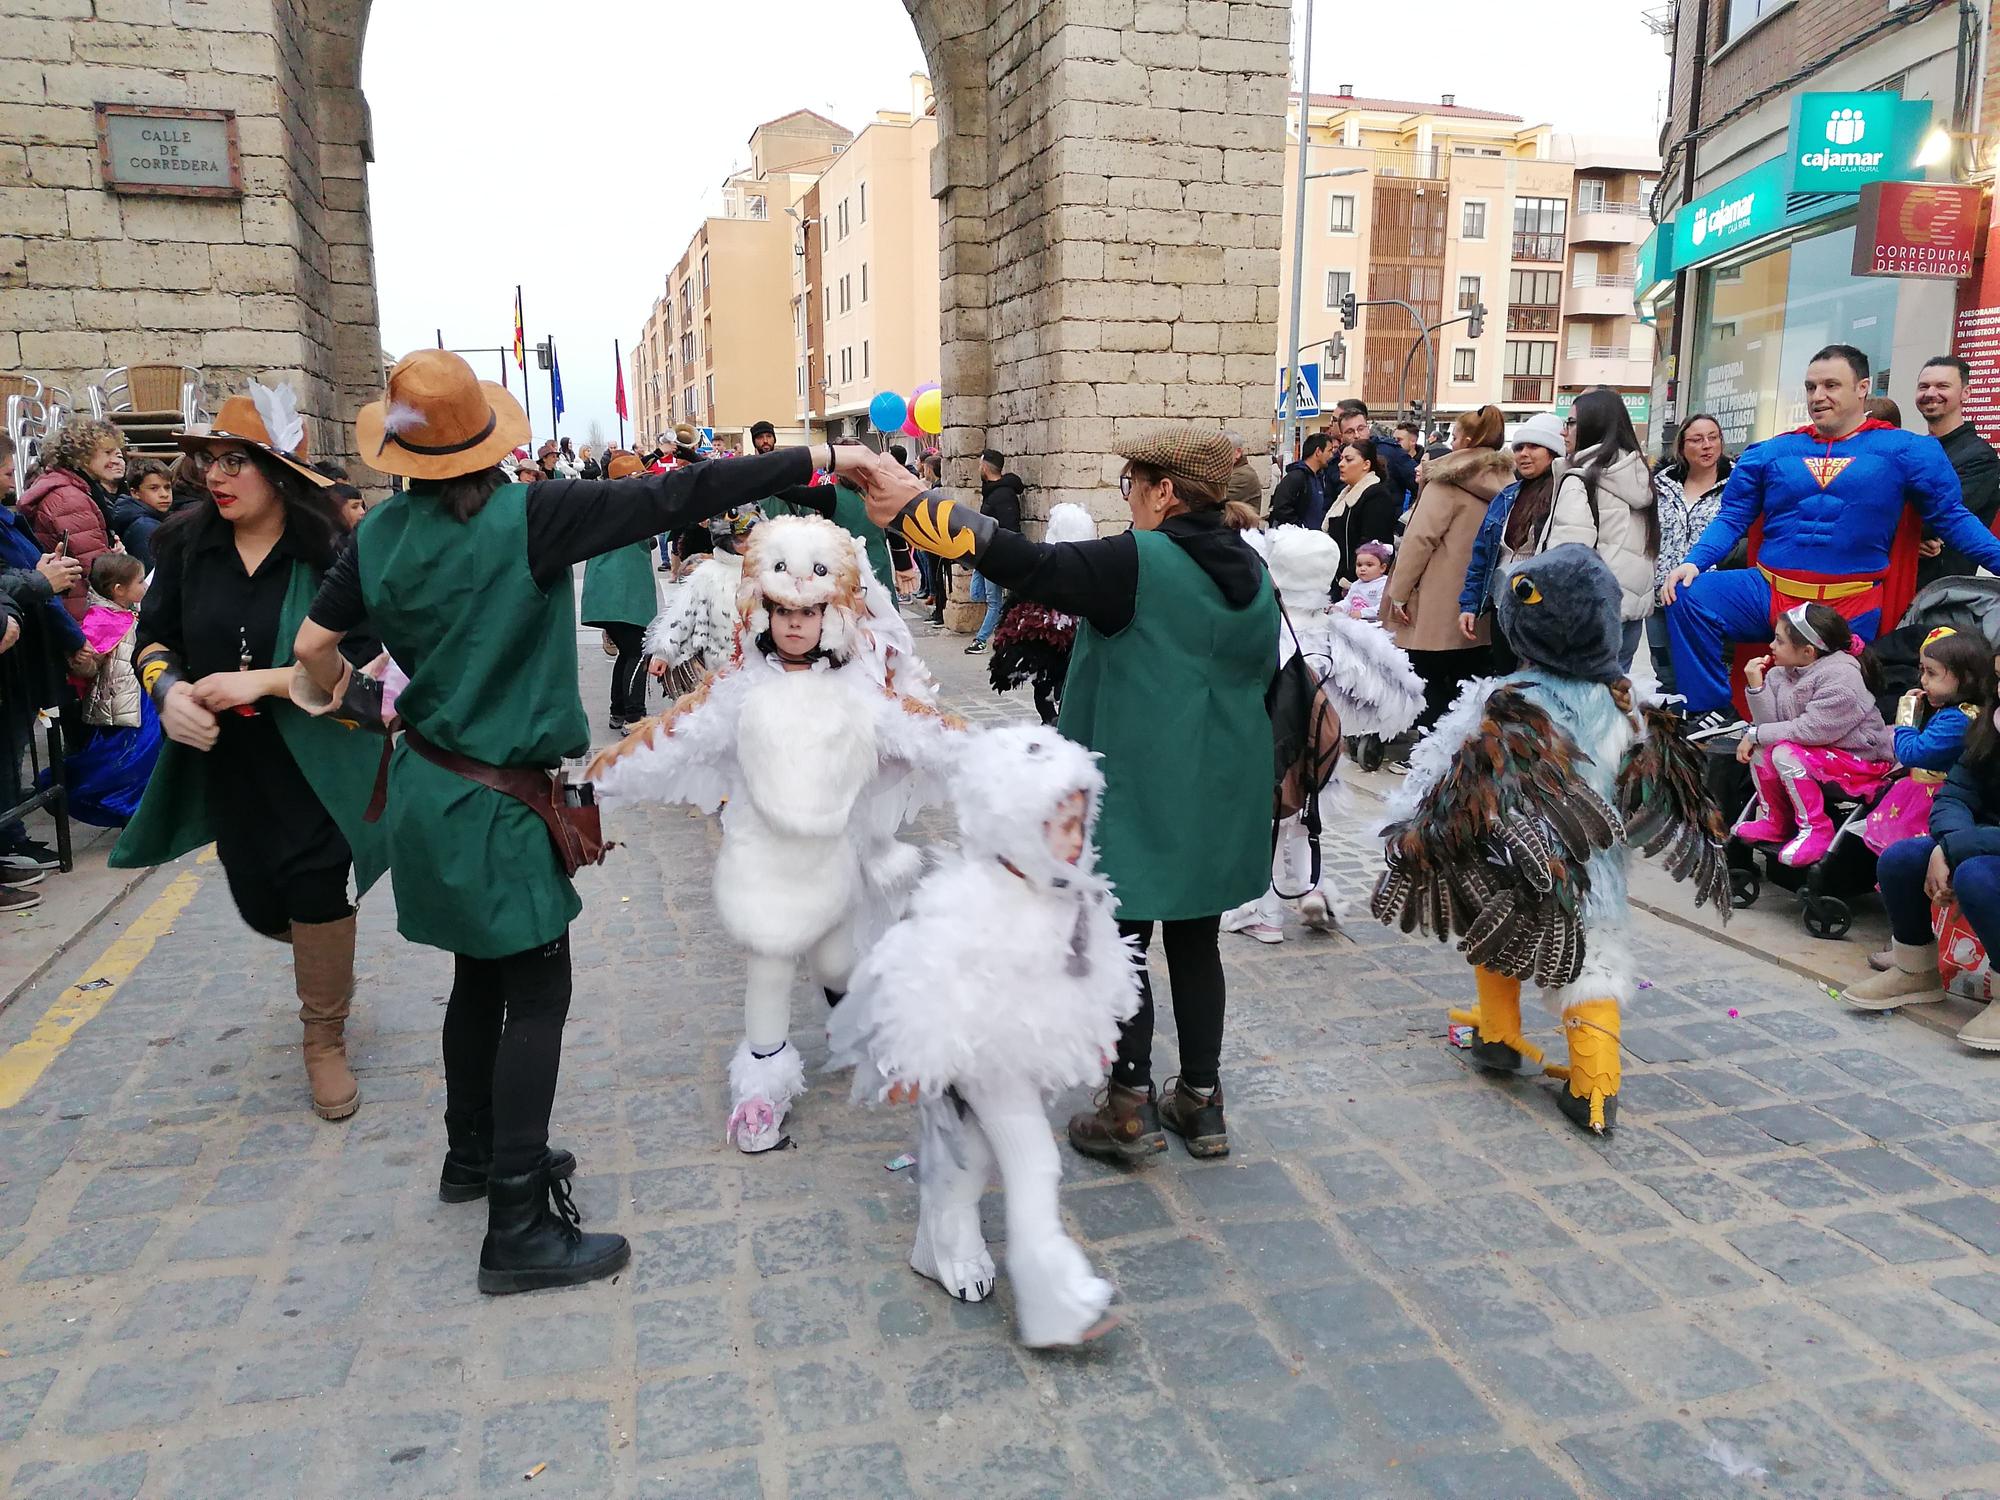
(1827, 509)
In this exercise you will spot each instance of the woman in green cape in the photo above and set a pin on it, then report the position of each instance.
(280, 793)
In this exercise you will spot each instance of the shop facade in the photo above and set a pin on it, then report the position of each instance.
(1753, 265)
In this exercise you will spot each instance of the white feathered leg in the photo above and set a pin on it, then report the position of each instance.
(762, 1087)
(953, 1168)
(1317, 908)
(832, 959)
(1058, 1299)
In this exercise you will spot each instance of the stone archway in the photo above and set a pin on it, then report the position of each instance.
(1108, 174)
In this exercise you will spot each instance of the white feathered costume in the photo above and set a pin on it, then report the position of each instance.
(818, 768)
(696, 625)
(1007, 980)
(1372, 686)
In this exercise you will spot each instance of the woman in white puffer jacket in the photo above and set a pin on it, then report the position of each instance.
(1606, 502)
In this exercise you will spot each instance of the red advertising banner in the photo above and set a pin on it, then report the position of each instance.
(1976, 331)
(1924, 229)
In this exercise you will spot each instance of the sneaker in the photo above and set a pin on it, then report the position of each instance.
(617, 725)
(1317, 912)
(1195, 1115)
(13, 899)
(29, 855)
(1712, 723)
(21, 880)
(975, 648)
(1263, 932)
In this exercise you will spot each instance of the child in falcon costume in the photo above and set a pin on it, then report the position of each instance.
(817, 733)
(1007, 981)
(1511, 835)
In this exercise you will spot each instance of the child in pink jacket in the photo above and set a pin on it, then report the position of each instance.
(1813, 719)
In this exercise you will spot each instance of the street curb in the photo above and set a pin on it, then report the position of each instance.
(83, 930)
(1938, 1017)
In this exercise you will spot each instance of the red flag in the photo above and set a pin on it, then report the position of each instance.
(623, 415)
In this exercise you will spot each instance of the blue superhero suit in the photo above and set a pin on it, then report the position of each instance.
(1830, 514)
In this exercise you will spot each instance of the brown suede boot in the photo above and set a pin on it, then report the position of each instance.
(323, 973)
(1125, 1126)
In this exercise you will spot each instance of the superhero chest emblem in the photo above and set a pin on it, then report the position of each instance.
(1825, 470)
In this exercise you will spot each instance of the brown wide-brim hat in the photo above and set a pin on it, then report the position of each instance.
(623, 465)
(438, 420)
(242, 422)
(1200, 453)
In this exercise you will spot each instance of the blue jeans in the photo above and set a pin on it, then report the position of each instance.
(986, 589)
(1661, 649)
(1976, 883)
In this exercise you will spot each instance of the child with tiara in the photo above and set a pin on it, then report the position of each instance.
(810, 734)
(1006, 981)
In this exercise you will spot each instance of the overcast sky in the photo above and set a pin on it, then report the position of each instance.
(573, 148)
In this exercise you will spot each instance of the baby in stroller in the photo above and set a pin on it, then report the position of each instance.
(1813, 720)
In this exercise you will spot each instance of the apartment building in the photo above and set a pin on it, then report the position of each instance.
(716, 349)
(1446, 207)
(1604, 342)
(865, 286)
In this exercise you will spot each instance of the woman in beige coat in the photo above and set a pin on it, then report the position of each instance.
(1422, 598)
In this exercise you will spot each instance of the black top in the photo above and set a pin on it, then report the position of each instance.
(1978, 469)
(207, 610)
(1099, 580)
(571, 520)
(1001, 499)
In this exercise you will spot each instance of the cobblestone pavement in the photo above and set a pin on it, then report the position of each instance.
(1407, 1281)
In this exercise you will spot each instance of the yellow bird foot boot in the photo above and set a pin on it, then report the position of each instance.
(1591, 1099)
(1498, 1045)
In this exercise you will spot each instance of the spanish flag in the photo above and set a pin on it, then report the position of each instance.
(520, 336)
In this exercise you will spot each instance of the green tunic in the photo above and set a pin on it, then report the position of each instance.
(339, 764)
(850, 514)
(618, 587)
(492, 664)
(1175, 704)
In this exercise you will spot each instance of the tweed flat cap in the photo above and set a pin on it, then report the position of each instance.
(1201, 453)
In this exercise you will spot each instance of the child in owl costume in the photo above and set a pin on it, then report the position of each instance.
(818, 737)
(1514, 820)
(1006, 981)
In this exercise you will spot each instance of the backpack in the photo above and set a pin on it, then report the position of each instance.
(1305, 738)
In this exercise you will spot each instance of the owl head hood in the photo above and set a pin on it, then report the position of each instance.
(1303, 563)
(1559, 611)
(1009, 785)
(799, 562)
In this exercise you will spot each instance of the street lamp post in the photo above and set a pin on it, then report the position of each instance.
(1289, 404)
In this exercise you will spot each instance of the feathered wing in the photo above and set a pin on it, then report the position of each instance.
(1495, 850)
(687, 754)
(1366, 674)
(697, 622)
(1668, 812)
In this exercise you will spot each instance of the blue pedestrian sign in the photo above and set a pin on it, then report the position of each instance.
(1305, 395)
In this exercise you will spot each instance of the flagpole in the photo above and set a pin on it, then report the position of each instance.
(527, 385)
(440, 334)
(618, 364)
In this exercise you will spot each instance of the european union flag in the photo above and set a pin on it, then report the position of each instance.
(555, 380)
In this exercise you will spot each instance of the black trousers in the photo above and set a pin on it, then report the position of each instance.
(1444, 673)
(628, 672)
(1194, 963)
(285, 858)
(503, 1031)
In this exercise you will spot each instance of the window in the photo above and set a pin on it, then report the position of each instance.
(802, 380)
(1534, 288)
(1340, 214)
(1530, 357)
(1743, 14)
(829, 369)
(704, 273)
(1538, 228)
(1468, 293)
(864, 281)
(842, 211)
(709, 391)
(1472, 220)
(826, 309)
(754, 205)
(1464, 365)
(846, 293)
(1590, 195)
(863, 191)
(687, 404)
(1338, 285)
(864, 359)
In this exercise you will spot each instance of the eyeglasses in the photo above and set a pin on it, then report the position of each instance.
(231, 464)
(1125, 486)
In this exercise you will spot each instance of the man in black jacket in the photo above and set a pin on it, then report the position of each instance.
(1296, 498)
(1402, 469)
(1941, 387)
(999, 497)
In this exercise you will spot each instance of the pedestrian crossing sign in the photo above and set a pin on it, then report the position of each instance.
(1305, 394)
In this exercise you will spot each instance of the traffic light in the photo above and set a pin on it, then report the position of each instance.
(1336, 349)
(1476, 325)
(1350, 311)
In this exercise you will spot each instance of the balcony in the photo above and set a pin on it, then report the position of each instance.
(1427, 165)
(1608, 296)
(1530, 390)
(1532, 318)
(1606, 364)
(1609, 224)
(1538, 247)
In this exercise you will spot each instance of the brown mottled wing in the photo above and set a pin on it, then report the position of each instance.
(1663, 794)
(1497, 854)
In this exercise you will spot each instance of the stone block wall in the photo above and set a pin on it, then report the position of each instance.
(1108, 174)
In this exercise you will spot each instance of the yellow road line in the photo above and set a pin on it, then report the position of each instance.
(25, 1062)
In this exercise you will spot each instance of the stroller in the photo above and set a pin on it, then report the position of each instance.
(1829, 886)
